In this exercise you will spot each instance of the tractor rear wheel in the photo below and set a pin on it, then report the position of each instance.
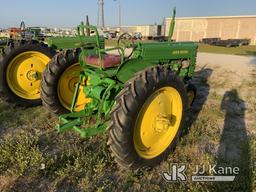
(148, 118)
(22, 64)
(59, 82)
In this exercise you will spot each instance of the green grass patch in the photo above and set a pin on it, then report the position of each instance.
(243, 50)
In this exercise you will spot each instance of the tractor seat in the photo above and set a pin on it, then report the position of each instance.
(108, 60)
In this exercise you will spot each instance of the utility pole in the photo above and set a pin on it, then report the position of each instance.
(119, 14)
(88, 33)
(100, 22)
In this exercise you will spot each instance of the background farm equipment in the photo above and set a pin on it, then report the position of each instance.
(226, 43)
(233, 42)
(210, 41)
(137, 36)
(24, 59)
(3, 43)
(142, 99)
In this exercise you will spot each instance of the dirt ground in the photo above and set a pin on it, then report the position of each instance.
(233, 73)
(220, 130)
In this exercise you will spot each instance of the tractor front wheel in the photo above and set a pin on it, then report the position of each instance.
(148, 118)
(59, 82)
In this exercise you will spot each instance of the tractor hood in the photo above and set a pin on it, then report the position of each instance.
(167, 50)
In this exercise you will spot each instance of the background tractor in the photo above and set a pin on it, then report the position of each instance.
(141, 99)
(25, 57)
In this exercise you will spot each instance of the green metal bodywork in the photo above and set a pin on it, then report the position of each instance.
(58, 43)
(103, 84)
(149, 54)
(80, 40)
(73, 42)
(172, 25)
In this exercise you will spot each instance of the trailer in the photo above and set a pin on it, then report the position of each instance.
(225, 43)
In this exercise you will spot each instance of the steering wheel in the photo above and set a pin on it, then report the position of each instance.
(122, 42)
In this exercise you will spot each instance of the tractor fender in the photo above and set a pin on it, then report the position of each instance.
(129, 68)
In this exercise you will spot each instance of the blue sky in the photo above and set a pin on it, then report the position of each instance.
(68, 13)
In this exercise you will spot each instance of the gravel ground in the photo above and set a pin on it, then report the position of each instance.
(232, 72)
(233, 63)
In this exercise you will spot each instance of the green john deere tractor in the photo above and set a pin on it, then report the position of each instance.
(141, 99)
(23, 61)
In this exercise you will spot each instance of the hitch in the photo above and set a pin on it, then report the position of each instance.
(74, 121)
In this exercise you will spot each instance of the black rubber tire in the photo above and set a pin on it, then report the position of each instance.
(128, 104)
(9, 53)
(192, 88)
(51, 76)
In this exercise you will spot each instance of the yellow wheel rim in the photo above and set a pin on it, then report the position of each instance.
(66, 88)
(158, 122)
(24, 74)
